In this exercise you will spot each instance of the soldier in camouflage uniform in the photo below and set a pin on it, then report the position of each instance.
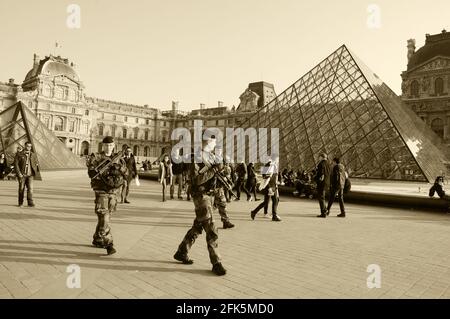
(105, 187)
(220, 200)
(203, 188)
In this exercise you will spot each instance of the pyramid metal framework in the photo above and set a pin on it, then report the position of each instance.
(18, 125)
(343, 109)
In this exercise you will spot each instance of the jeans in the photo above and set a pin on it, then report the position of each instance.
(275, 199)
(340, 195)
(26, 181)
(321, 194)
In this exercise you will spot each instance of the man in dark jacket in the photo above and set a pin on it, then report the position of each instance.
(26, 167)
(132, 173)
(323, 182)
(241, 172)
(177, 171)
(337, 186)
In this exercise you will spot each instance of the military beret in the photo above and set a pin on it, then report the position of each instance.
(108, 139)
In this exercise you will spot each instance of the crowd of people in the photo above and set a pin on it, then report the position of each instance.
(211, 183)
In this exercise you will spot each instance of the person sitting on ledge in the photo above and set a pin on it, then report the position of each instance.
(438, 187)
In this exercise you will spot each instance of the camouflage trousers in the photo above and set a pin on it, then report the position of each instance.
(105, 204)
(220, 202)
(203, 221)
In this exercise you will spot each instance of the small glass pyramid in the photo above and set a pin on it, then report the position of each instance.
(18, 125)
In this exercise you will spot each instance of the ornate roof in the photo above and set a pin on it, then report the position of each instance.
(52, 66)
(435, 45)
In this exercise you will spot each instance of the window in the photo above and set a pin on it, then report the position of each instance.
(126, 119)
(113, 130)
(59, 123)
(103, 116)
(124, 133)
(86, 128)
(87, 112)
(439, 86)
(136, 134)
(72, 126)
(164, 123)
(47, 122)
(58, 92)
(100, 130)
(415, 89)
(73, 110)
(137, 120)
(437, 125)
(146, 136)
(147, 121)
(114, 117)
(217, 122)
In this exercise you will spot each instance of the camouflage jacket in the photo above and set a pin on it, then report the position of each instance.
(112, 178)
(202, 178)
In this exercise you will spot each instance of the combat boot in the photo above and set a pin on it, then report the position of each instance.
(219, 270)
(97, 244)
(227, 224)
(183, 258)
(110, 250)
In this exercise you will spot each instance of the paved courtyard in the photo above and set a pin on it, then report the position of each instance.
(301, 257)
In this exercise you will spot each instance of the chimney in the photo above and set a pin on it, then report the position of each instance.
(411, 48)
(11, 82)
(202, 106)
(35, 60)
(219, 103)
(174, 107)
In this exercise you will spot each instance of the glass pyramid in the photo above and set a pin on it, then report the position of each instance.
(342, 108)
(18, 125)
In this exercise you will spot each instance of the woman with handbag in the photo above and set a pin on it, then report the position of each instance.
(269, 187)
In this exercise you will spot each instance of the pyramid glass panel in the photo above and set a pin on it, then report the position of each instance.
(19, 125)
(343, 109)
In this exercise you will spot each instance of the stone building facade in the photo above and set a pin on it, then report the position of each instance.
(53, 90)
(426, 82)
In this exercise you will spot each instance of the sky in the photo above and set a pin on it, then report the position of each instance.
(205, 51)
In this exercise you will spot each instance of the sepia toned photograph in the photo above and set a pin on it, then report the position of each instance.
(235, 152)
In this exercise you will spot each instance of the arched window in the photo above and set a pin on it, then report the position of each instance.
(146, 151)
(415, 88)
(59, 122)
(136, 150)
(146, 135)
(439, 86)
(136, 133)
(437, 125)
(124, 133)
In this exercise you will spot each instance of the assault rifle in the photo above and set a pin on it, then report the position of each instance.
(106, 164)
(224, 180)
